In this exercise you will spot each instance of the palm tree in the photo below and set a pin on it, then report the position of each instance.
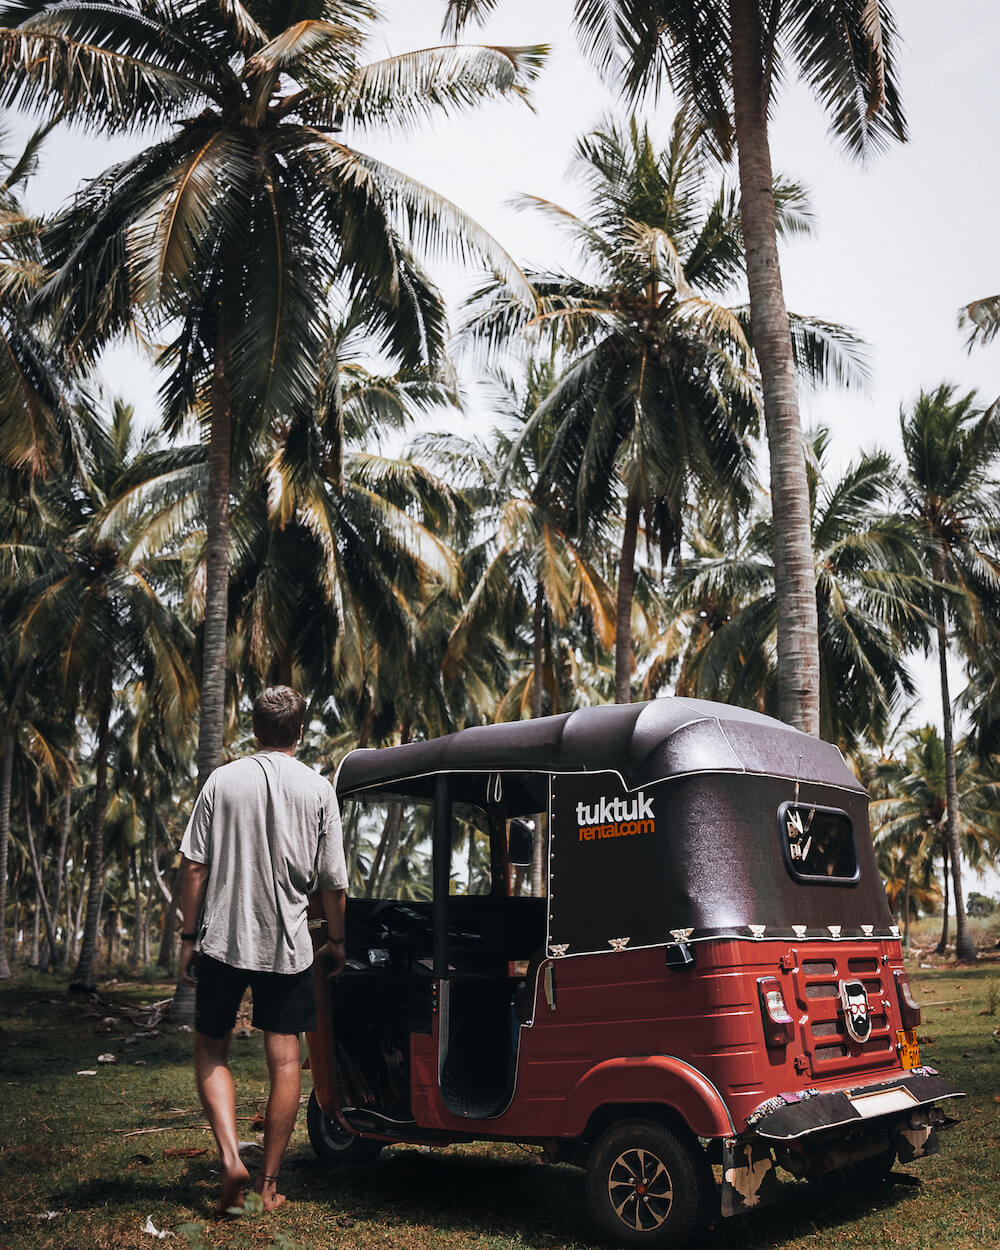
(33, 414)
(338, 545)
(659, 397)
(868, 579)
(97, 609)
(911, 824)
(36, 744)
(231, 230)
(532, 568)
(950, 496)
(656, 395)
(724, 61)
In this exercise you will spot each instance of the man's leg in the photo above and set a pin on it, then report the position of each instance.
(282, 1050)
(218, 1097)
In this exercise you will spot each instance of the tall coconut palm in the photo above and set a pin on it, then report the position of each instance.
(659, 397)
(230, 230)
(951, 450)
(724, 61)
(98, 609)
(869, 582)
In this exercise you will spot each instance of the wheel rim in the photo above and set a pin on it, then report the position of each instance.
(336, 1136)
(640, 1189)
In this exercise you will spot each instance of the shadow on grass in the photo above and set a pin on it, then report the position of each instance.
(540, 1205)
(468, 1196)
(126, 1194)
(505, 1197)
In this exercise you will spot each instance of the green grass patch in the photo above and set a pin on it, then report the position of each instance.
(79, 1168)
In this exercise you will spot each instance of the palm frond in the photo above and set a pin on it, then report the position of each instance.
(104, 64)
(402, 91)
(847, 55)
(432, 224)
(321, 48)
(982, 319)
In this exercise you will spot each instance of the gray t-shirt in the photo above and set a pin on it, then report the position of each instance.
(269, 829)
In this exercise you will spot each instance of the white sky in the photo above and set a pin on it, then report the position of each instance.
(900, 245)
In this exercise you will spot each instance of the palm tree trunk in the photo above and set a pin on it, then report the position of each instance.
(147, 919)
(381, 870)
(537, 651)
(36, 915)
(943, 939)
(6, 776)
(83, 977)
(626, 589)
(350, 839)
(965, 948)
(57, 957)
(136, 951)
(213, 653)
(794, 567)
(906, 909)
(42, 903)
(78, 914)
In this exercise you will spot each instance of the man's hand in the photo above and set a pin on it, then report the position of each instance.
(335, 955)
(187, 963)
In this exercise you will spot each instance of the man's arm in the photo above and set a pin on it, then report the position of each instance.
(335, 909)
(194, 879)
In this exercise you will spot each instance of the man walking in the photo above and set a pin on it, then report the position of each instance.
(264, 832)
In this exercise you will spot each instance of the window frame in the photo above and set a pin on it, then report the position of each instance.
(807, 878)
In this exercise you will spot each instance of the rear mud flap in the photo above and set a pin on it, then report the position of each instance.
(748, 1177)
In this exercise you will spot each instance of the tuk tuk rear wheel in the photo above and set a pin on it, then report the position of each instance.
(647, 1186)
(334, 1145)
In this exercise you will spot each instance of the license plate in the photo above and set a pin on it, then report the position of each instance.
(909, 1051)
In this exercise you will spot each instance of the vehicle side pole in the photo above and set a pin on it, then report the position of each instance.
(441, 872)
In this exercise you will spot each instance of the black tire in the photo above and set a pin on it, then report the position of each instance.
(334, 1145)
(647, 1186)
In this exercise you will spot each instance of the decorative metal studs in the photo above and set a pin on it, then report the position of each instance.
(799, 930)
(834, 930)
(757, 930)
(681, 935)
(618, 944)
(867, 929)
(558, 948)
(894, 930)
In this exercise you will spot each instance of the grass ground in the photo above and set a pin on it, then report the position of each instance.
(79, 1170)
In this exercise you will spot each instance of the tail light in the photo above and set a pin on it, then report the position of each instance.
(909, 1010)
(779, 1027)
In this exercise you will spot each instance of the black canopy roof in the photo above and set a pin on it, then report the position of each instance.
(644, 742)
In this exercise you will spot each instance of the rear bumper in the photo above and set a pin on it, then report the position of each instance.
(812, 1132)
(791, 1117)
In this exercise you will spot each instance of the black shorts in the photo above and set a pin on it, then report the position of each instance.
(282, 1002)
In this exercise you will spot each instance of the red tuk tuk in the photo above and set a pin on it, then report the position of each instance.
(709, 974)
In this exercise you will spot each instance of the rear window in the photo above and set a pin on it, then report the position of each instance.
(818, 844)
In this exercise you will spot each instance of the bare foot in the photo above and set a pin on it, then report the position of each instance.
(267, 1187)
(234, 1181)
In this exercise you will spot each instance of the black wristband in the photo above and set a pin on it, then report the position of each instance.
(337, 941)
(189, 937)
